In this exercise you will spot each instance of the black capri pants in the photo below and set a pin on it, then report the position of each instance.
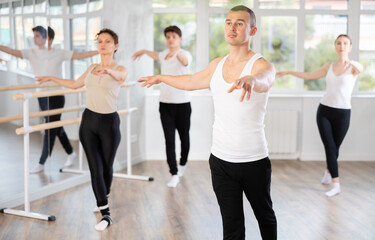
(333, 124)
(100, 137)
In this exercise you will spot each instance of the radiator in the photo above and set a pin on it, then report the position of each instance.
(282, 132)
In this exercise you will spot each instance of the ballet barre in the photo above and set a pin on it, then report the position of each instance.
(56, 124)
(41, 114)
(27, 86)
(27, 129)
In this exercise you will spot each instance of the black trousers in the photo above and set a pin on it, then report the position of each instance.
(230, 181)
(333, 124)
(100, 137)
(48, 103)
(176, 116)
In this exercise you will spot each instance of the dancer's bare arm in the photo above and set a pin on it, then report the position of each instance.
(11, 51)
(199, 80)
(119, 74)
(357, 66)
(321, 72)
(80, 55)
(73, 84)
(152, 54)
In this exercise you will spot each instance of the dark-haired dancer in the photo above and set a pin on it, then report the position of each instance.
(100, 127)
(175, 108)
(48, 62)
(333, 115)
(239, 161)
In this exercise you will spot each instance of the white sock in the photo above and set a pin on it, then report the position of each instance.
(96, 210)
(181, 170)
(327, 178)
(335, 190)
(101, 226)
(70, 159)
(38, 168)
(174, 181)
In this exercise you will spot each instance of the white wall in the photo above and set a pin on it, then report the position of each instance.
(358, 144)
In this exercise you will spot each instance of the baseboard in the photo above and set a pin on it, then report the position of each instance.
(342, 157)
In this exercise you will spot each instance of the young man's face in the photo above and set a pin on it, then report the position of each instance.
(38, 39)
(173, 39)
(237, 28)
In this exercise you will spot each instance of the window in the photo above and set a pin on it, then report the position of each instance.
(278, 38)
(64, 16)
(218, 46)
(55, 7)
(367, 53)
(368, 4)
(77, 6)
(320, 34)
(174, 3)
(78, 26)
(229, 4)
(187, 24)
(290, 4)
(5, 31)
(326, 5)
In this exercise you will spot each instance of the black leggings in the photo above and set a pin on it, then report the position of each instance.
(176, 116)
(100, 137)
(230, 181)
(333, 124)
(48, 103)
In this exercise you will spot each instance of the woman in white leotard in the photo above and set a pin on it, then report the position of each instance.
(333, 115)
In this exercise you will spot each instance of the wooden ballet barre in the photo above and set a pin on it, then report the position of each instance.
(27, 86)
(40, 114)
(62, 123)
(58, 92)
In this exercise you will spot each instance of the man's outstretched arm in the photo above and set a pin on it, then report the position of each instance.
(199, 80)
(13, 52)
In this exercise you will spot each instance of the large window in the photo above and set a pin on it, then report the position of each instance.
(68, 18)
(296, 35)
(278, 38)
(320, 34)
(367, 52)
(187, 24)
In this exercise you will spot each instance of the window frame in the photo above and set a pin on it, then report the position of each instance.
(203, 12)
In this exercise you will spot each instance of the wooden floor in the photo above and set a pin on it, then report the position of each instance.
(150, 210)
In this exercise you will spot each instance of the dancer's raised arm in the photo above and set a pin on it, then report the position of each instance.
(199, 80)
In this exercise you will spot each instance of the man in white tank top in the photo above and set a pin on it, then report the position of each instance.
(174, 106)
(239, 161)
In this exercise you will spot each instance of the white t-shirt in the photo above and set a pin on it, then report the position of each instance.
(173, 67)
(339, 89)
(238, 130)
(46, 62)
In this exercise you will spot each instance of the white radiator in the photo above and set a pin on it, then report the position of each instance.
(282, 132)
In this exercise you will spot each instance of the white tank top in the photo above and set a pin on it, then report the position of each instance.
(238, 130)
(339, 89)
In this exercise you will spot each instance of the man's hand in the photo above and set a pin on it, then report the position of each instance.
(149, 81)
(41, 80)
(170, 55)
(246, 83)
(138, 54)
